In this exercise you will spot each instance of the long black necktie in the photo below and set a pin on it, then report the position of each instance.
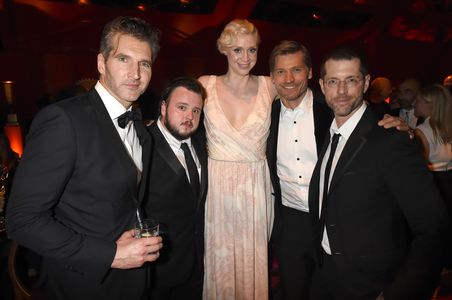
(192, 169)
(326, 181)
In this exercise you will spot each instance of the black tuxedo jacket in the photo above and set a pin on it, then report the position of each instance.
(322, 122)
(171, 201)
(75, 192)
(384, 216)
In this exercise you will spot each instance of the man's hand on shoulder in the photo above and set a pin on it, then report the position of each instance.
(389, 121)
(133, 253)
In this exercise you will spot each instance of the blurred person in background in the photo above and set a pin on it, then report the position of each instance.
(434, 103)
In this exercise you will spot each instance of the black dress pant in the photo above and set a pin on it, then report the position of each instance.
(296, 254)
(335, 279)
(191, 289)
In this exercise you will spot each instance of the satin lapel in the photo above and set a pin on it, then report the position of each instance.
(146, 146)
(272, 141)
(354, 144)
(322, 123)
(200, 148)
(315, 180)
(162, 147)
(117, 146)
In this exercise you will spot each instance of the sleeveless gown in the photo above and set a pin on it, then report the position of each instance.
(239, 208)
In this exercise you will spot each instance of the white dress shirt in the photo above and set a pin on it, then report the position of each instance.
(296, 153)
(408, 116)
(175, 145)
(345, 131)
(128, 134)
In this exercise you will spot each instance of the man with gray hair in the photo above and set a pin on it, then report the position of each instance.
(77, 190)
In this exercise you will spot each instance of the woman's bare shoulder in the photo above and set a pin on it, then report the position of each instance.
(204, 79)
(270, 87)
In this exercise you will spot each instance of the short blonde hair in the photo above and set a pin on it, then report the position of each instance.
(230, 32)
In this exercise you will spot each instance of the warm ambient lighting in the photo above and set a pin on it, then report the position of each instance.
(185, 2)
(141, 7)
(83, 2)
(8, 91)
(14, 134)
(12, 128)
(448, 81)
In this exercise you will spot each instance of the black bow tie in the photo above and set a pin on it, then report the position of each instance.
(130, 115)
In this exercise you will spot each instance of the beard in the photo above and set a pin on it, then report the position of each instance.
(176, 132)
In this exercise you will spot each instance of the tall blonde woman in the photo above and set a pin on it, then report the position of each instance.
(239, 208)
(434, 103)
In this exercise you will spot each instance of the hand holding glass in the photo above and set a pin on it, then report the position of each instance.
(146, 228)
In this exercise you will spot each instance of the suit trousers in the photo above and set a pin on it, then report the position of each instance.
(296, 253)
(336, 279)
(191, 289)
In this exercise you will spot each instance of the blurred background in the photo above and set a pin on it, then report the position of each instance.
(48, 48)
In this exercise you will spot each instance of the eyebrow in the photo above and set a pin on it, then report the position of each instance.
(128, 56)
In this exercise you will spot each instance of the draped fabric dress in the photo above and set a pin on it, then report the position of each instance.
(239, 208)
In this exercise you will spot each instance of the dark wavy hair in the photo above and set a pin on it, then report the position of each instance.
(189, 83)
(134, 27)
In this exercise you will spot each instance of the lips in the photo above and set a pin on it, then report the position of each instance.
(132, 85)
(187, 124)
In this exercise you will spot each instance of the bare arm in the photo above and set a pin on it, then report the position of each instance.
(425, 146)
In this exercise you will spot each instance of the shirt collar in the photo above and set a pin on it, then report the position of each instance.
(172, 141)
(114, 108)
(304, 106)
(347, 128)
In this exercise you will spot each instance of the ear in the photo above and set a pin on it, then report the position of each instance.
(101, 63)
(366, 82)
(321, 85)
(163, 108)
(310, 74)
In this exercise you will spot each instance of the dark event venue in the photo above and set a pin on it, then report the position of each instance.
(48, 51)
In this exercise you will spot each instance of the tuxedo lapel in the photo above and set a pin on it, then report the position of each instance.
(353, 146)
(322, 122)
(315, 180)
(200, 149)
(272, 145)
(164, 150)
(129, 169)
(146, 146)
(273, 135)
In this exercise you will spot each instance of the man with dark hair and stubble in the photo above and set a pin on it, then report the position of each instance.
(299, 124)
(80, 182)
(380, 223)
(177, 191)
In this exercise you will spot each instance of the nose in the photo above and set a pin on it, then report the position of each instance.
(342, 87)
(190, 114)
(289, 77)
(245, 56)
(135, 71)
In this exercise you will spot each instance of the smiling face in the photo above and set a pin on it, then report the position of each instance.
(290, 76)
(345, 96)
(126, 72)
(181, 112)
(242, 54)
